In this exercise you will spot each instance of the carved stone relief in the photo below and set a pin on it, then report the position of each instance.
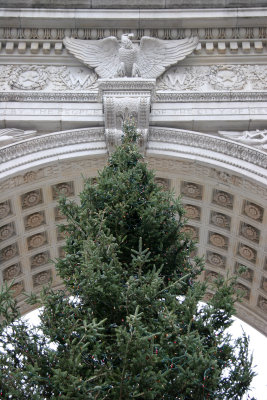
(12, 272)
(46, 78)
(214, 78)
(62, 189)
(193, 190)
(192, 212)
(243, 290)
(163, 183)
(58, 214)
(223, 199)
(218, 240)
(7, 231)
(220, 220)
(257, 139)
(39, 259)
(191, 231)
(34, 220)
(61, 252)
(42, 278)
(37, 240)
(9, 252)
(5, 209)
(264, 284)
(262, 304)
(247, 275)
(247, 252)
(17, 288)
(253, 211)
(249, 232)
(215, 259)
(31, 199)
(211, 276)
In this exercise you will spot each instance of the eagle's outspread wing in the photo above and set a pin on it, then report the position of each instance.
(156, 55)
(102, 55)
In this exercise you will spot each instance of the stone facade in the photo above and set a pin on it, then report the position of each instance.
(203, 123)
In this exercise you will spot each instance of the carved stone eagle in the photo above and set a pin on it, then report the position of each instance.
(111, 58)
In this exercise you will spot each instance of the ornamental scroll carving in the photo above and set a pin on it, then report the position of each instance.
(126, 100)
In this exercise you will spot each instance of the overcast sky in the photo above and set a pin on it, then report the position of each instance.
(258, 346)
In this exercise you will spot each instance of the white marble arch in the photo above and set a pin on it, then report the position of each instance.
(224, 189)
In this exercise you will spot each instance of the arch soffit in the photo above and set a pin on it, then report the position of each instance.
(224, 191)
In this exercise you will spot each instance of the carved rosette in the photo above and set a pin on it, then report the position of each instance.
(12, 272)
(7, 231)
(223, 199)
(192, 212)
(262, 304)
(264, 284)
(39, 259)
(17, 288)
(62, 189)
(31, 199)
(5, 209)
(58, 214)
(253, 211)
(247, 275)
(218, 240)
(190, 231)
(126, 100)
(192, 190)
(249, 232)
(220, 220)
(37, 240)
(247, 252)
(9, 252)
(42, 278)
(163, 183)
(215, 259)
(243, 291)
(34, 220)
(211, 276)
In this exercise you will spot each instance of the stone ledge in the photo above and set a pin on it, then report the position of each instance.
(113, 4)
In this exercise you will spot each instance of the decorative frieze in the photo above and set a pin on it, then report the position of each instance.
(45, 78)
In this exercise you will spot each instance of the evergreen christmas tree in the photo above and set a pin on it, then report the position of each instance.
(129, 323)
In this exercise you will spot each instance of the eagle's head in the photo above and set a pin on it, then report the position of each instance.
(126, 41)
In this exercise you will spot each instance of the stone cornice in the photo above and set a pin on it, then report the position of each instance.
(133, 19)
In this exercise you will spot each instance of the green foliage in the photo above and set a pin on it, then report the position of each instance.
(128, 324)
